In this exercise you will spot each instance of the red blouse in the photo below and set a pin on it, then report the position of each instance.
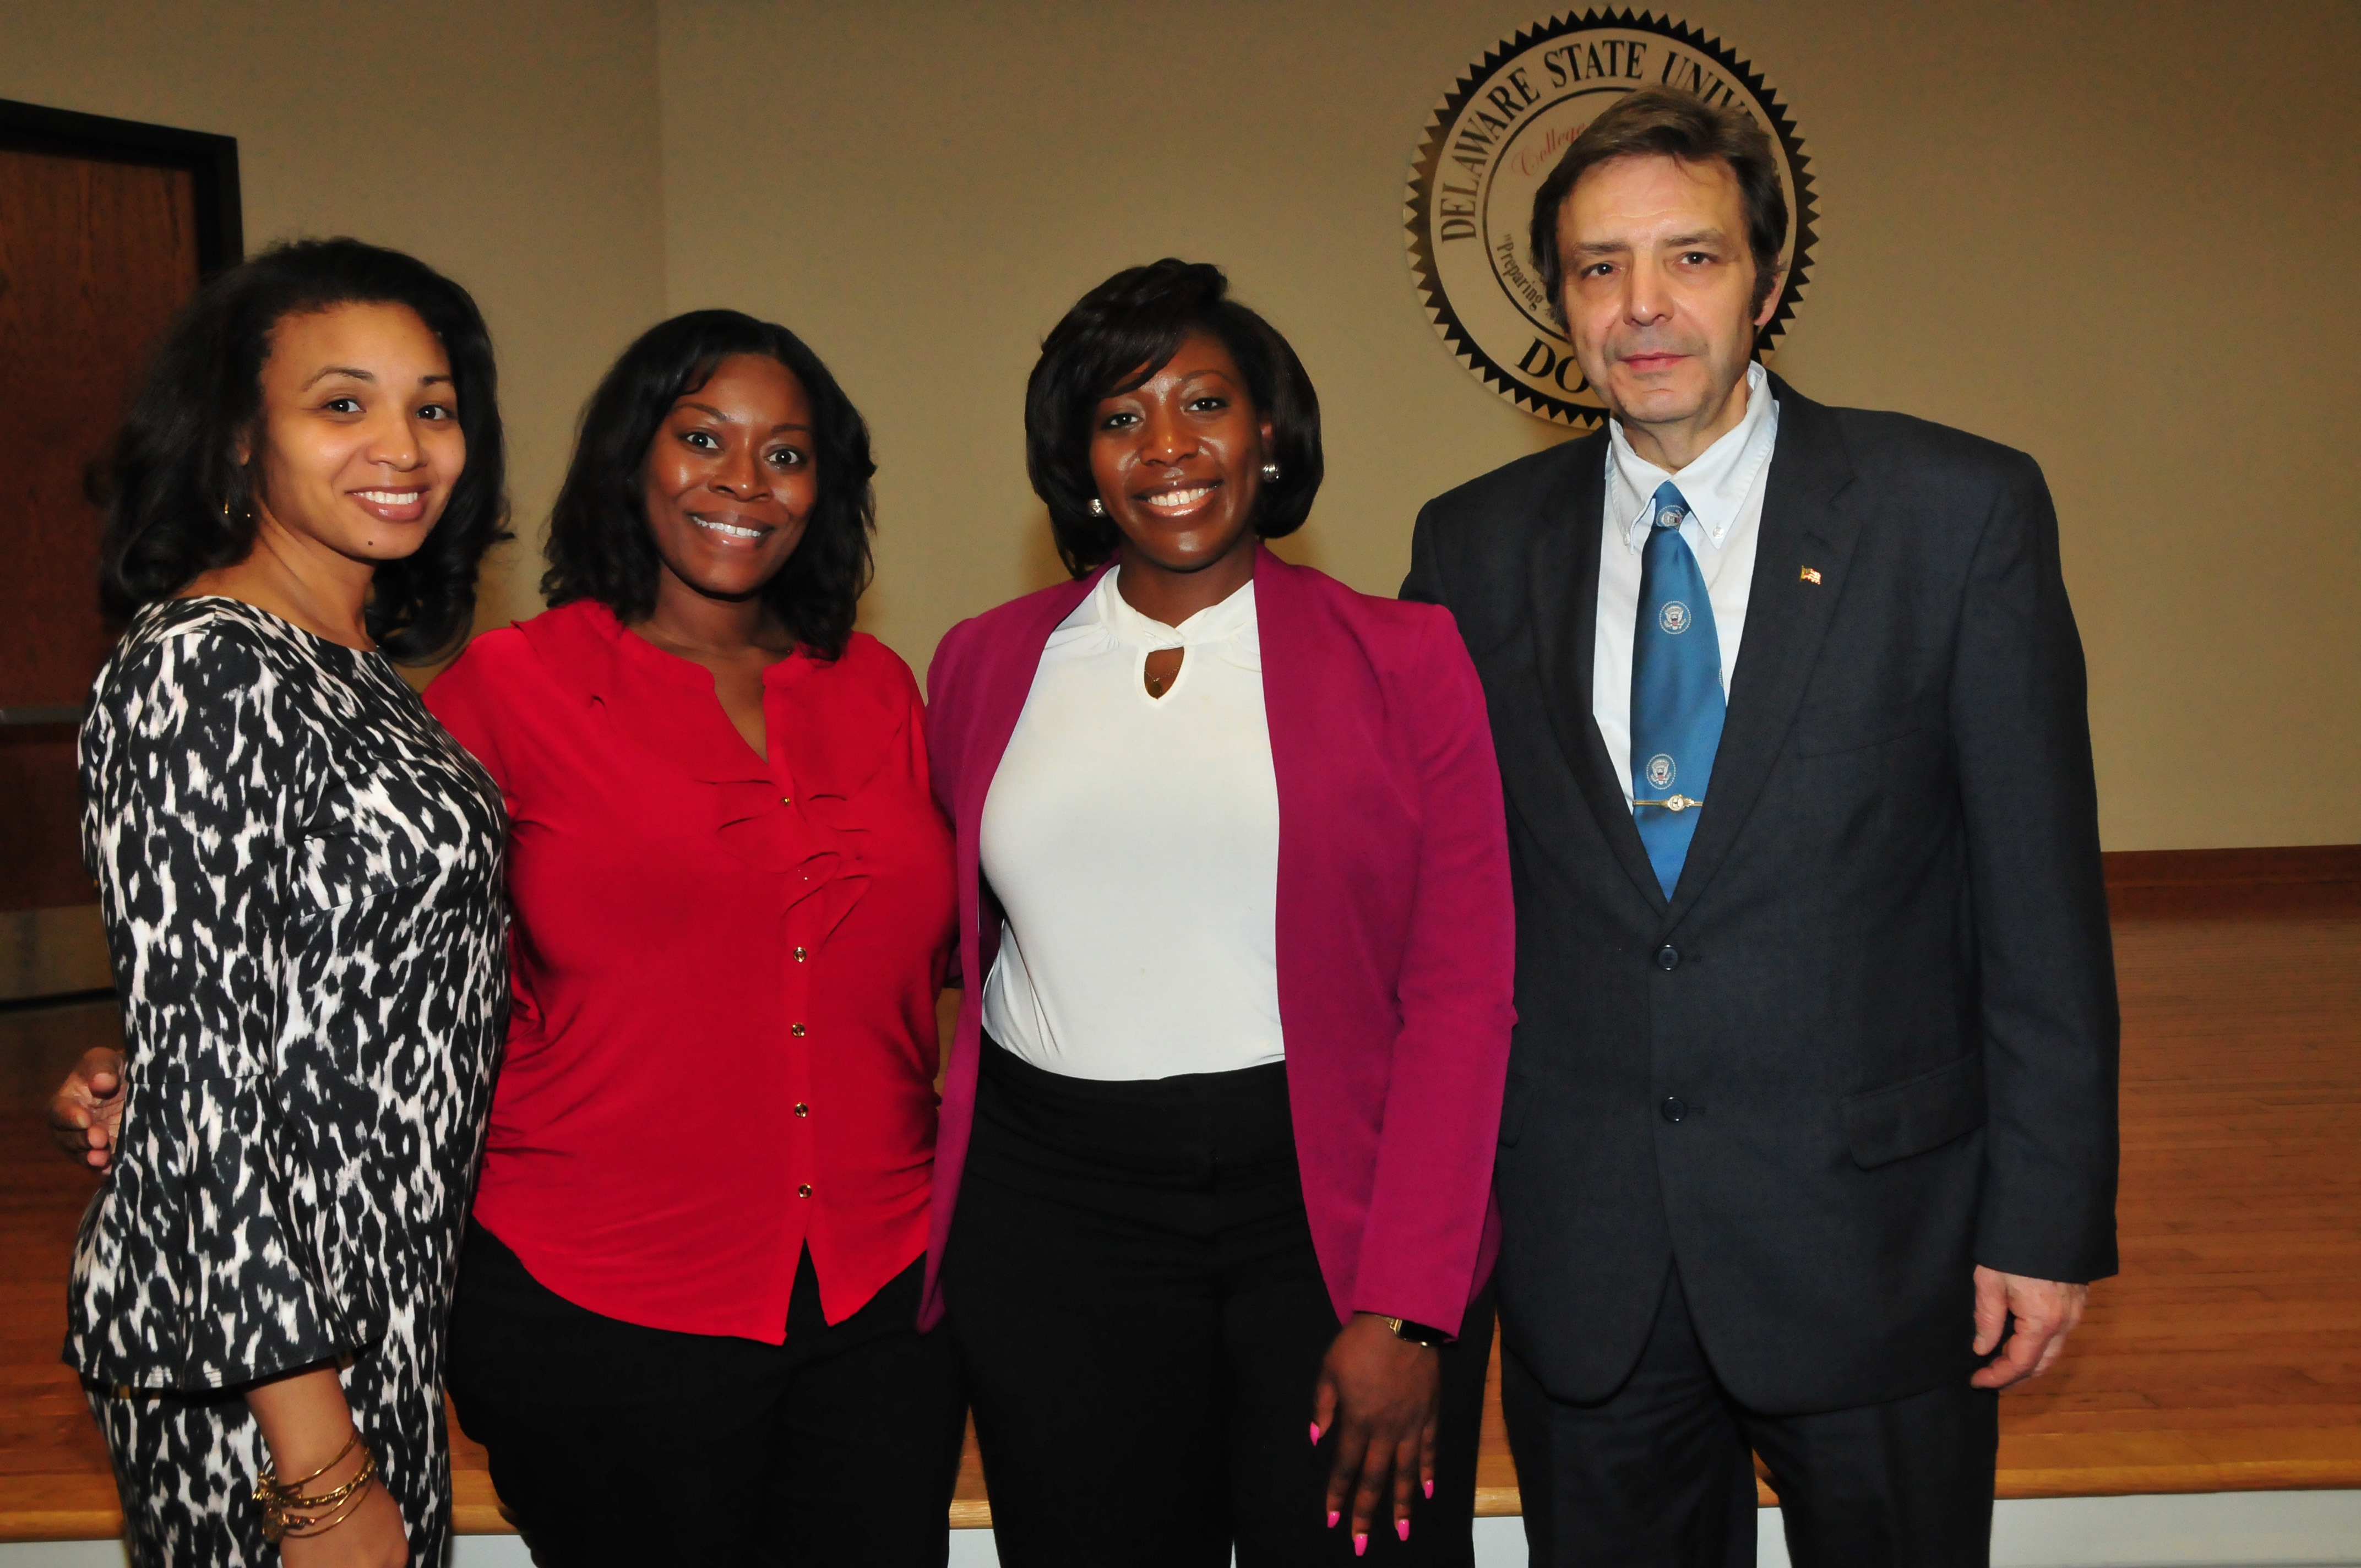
(724, 1043)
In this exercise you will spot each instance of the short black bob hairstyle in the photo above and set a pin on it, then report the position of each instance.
(600, 544)
(180, 504)
(1115, 337)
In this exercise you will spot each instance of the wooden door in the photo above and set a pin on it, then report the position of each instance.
(102, 240)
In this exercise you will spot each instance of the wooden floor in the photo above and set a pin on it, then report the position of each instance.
(2227, 1356)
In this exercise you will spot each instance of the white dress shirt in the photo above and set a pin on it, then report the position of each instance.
(1724, 488)
(1134, 844)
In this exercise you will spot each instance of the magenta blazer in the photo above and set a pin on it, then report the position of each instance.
(1396, 934)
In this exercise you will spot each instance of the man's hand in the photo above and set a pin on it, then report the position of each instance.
(2046, 1313)
(1376, 1399)
(87, 1110)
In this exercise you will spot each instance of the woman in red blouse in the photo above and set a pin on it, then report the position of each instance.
(685, 1323)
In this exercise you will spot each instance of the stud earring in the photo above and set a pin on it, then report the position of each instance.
(1098, 507)
(1270, 473)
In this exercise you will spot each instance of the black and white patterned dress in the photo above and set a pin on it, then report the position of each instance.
(300, 874)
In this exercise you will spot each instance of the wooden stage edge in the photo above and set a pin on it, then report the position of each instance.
(2144, 1466)
(2291, 1459)
(2226, 1358)
(2229, 869)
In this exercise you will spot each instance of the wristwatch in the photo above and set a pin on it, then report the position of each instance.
(1416, 1334)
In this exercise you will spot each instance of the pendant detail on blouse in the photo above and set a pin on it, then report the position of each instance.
(1159, 681)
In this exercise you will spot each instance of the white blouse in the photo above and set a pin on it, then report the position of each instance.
(1133, 842)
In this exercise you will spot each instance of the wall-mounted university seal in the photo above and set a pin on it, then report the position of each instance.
(1495, 138)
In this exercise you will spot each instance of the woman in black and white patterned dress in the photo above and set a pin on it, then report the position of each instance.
(300, 874)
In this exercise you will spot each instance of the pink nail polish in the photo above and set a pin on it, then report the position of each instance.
(1315, 1434)
(1429, 1491)
(1332, 1516)
(1402, 1527)
(1360, 1544)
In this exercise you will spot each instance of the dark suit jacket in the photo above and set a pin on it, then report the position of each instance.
(1882, 992)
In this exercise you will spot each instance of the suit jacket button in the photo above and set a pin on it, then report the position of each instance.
(1668, 958)
(1674, 1107)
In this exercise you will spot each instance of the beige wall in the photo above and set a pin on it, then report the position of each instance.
(514, 145)
(2124, 238)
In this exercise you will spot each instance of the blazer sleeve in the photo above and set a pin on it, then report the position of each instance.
(2021, 727)
(944, 731)
(942, 720)
(1455, 990)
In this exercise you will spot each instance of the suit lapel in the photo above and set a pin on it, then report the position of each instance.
(1786, 618)
(1564, 586)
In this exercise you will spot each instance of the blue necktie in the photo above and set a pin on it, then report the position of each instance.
(1676, 699)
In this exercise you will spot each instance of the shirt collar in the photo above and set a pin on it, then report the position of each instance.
(1716, 485)
(1233, 616)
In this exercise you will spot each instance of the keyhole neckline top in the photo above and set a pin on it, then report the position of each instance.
(1226, 630)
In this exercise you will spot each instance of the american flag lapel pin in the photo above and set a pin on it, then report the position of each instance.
(1812, 576)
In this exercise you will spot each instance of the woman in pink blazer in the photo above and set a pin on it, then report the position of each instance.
(1216, 1149)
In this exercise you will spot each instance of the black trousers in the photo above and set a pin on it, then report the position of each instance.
(1661, 1476)
(611, 1442)
(1138, 1307)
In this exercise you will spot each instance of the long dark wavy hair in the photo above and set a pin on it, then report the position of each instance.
(600, 544)
(179, 503)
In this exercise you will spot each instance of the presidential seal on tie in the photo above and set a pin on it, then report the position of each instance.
(1493, 139)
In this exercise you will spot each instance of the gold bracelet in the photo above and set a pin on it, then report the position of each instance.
(327, 1499)
(286, 1513)
(270, 1476)
(279, 1525)
(270, 1493)
(303, 1529)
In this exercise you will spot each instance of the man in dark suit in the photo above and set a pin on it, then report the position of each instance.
(1809, 1145)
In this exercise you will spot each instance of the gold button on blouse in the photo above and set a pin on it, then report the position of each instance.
(805, 1190)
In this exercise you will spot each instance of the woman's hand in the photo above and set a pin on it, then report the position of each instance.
(1377, 1400)
(87, 1110)
(306, 1424)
